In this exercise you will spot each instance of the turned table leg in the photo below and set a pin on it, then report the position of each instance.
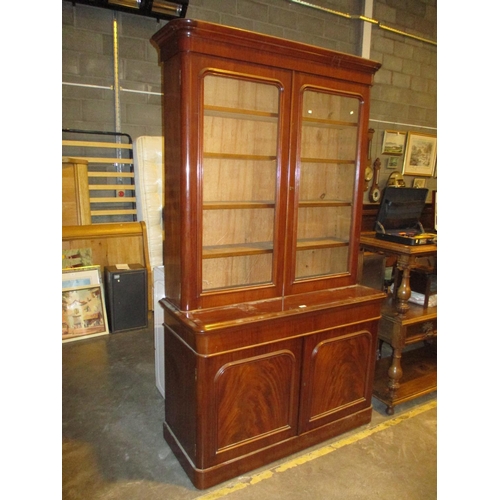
(395, 373)
(404, 291)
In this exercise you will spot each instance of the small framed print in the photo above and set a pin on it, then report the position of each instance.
(83, 312)
(394, 143)
(420, 154)
(419, 183)
(392, 162)
(74, 277)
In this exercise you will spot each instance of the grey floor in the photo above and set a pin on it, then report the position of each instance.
(113, 447)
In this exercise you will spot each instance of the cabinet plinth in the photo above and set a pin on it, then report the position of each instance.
(250, 383)
(269, 341)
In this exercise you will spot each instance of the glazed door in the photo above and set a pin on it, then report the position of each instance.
(242, 161)
(324, 214)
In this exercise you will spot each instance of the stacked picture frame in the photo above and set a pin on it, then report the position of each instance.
(83, 304)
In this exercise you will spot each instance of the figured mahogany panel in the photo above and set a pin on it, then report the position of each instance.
(338, 366)
(253, 397)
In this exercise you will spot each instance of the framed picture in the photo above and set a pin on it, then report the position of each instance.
(83, 312)
(77, 257)
(392, 162)
(419, 183)
(420, 155)
(88, 275)
(394, 143)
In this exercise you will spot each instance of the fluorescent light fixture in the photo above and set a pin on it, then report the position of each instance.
(131, 4)
(159, 9)
(164, 7)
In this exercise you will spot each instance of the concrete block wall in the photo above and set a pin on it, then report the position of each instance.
(403, 96)
(88, 99)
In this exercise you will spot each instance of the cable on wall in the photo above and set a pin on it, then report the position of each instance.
(403, 124)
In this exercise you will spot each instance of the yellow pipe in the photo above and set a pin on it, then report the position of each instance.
(365, 19)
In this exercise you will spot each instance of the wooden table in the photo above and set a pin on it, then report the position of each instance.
(402, 324)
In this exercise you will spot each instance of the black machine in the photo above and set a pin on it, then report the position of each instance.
(126, 297)
(399, 215)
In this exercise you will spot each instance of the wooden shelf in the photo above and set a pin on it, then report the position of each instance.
(239, 113)
(318, 122)
(309, 244)
(236, 250)
(236, 156)
(327, 160)
(233, 205)
(324, 203)
(419, 376)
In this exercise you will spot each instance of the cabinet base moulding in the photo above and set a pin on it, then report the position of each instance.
(211, 476)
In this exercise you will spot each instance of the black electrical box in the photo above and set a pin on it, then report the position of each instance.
(126, 297)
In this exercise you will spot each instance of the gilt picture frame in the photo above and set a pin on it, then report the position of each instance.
(83, 312)
(420, 154)
(394, 143)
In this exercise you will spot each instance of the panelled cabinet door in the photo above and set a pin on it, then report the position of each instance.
(242, 160)
(325, 185)
(250, 400)
(337, 375)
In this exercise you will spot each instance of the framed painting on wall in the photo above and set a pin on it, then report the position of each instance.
(420, 154)
(419, 183)
(394, 143)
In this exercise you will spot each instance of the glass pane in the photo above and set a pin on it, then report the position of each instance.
(326, 179)
(240, 141)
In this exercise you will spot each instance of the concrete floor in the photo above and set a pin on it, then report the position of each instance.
(113, 446)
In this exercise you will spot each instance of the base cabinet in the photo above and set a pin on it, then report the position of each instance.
(246, 385)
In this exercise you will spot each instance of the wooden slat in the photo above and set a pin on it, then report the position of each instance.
(100, 174)
(131, 211)
(129, 175)
(110, 187)
(90, 144)
(126, 199)
(90, 159)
